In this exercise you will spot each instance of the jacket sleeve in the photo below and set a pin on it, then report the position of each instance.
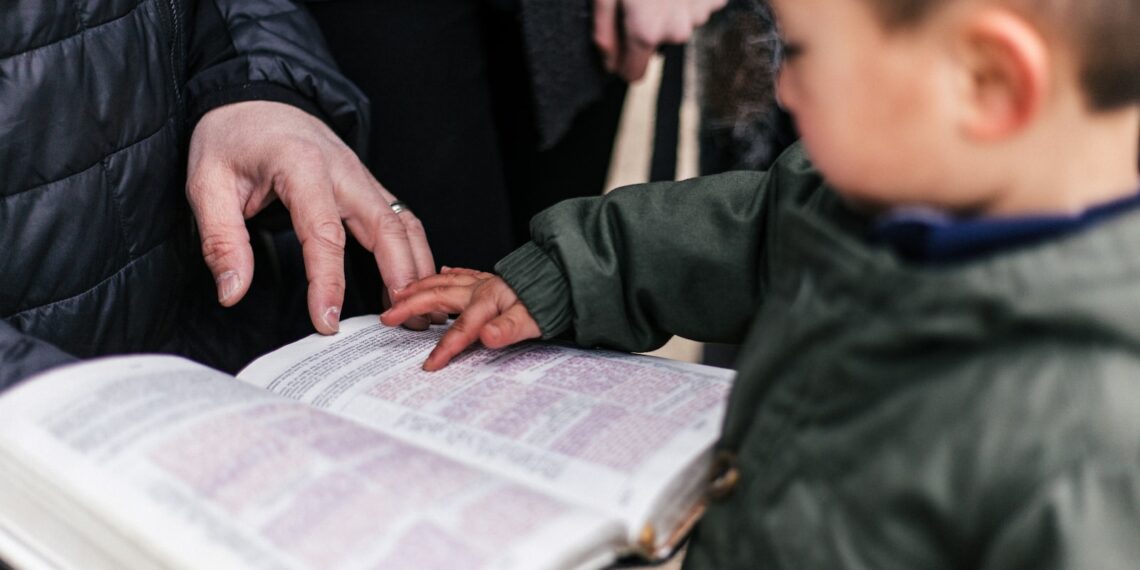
(630, 269)
(22, 356)
(1086, 517)
(269, 50)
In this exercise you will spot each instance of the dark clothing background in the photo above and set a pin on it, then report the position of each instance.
(742, 127)
(98, 254)
(454, 126)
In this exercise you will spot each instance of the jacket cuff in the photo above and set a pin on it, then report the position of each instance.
(22, 357)
(541, 286)
(253, 91)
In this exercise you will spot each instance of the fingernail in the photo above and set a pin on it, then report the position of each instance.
(332, 318)
(228, 284)
(444, 268)
(385, 313)
(493, 330)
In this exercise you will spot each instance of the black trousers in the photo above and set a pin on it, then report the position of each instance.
(453, 128)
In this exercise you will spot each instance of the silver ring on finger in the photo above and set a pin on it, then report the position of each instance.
(398, 206)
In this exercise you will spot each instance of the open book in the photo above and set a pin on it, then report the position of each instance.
(339, 452)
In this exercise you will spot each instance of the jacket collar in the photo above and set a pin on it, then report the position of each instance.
(930, 236)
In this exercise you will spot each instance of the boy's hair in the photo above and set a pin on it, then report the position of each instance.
(1105, 34)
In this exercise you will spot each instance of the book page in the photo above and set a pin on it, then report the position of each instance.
(207, 472)
(604, 429)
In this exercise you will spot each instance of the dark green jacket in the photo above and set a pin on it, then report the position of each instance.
(885, 416)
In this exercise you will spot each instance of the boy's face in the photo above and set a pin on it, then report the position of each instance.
(871, 105)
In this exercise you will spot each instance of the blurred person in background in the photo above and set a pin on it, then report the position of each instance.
(485, 112)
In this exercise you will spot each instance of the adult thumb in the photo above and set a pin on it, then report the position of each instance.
(225, 240)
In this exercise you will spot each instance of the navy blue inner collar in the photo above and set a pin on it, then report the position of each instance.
(931, 237)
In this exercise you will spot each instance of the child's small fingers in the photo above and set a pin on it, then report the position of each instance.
(464, 271)
(460, 335)
(435, 300)
(435, 281)
(449, 345)
(438, 318)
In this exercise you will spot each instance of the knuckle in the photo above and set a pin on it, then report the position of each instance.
(216, 247)
(196, 186)
(414, 226)
(329, 234)
(331, 281)
(346, 163)
(489, 295)
(439, 292)
(508, 324)
(299, 151)
(484, 290)
(344, 156)
(387, 223)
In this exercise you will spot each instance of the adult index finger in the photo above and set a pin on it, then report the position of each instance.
(217, 208)
(308, 195)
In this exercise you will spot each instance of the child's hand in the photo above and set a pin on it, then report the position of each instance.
(491, 312)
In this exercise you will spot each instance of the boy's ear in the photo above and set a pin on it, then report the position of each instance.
(1007, 73)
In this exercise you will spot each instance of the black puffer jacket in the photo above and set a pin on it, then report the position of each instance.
(97, 100)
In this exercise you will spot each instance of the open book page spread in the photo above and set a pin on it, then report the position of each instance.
(596, 427)
(208, 472)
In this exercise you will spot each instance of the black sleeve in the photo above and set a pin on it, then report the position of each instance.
(269, 50)
(22, 356)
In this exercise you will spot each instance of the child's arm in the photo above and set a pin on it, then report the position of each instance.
(644, 263)
(630, 269)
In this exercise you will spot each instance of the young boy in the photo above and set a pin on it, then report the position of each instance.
(941, 360)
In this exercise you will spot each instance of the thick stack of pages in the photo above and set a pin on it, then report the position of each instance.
(339, 452)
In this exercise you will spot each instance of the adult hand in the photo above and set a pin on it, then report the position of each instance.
(245, 155)
(490, 312)
(628, 32)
